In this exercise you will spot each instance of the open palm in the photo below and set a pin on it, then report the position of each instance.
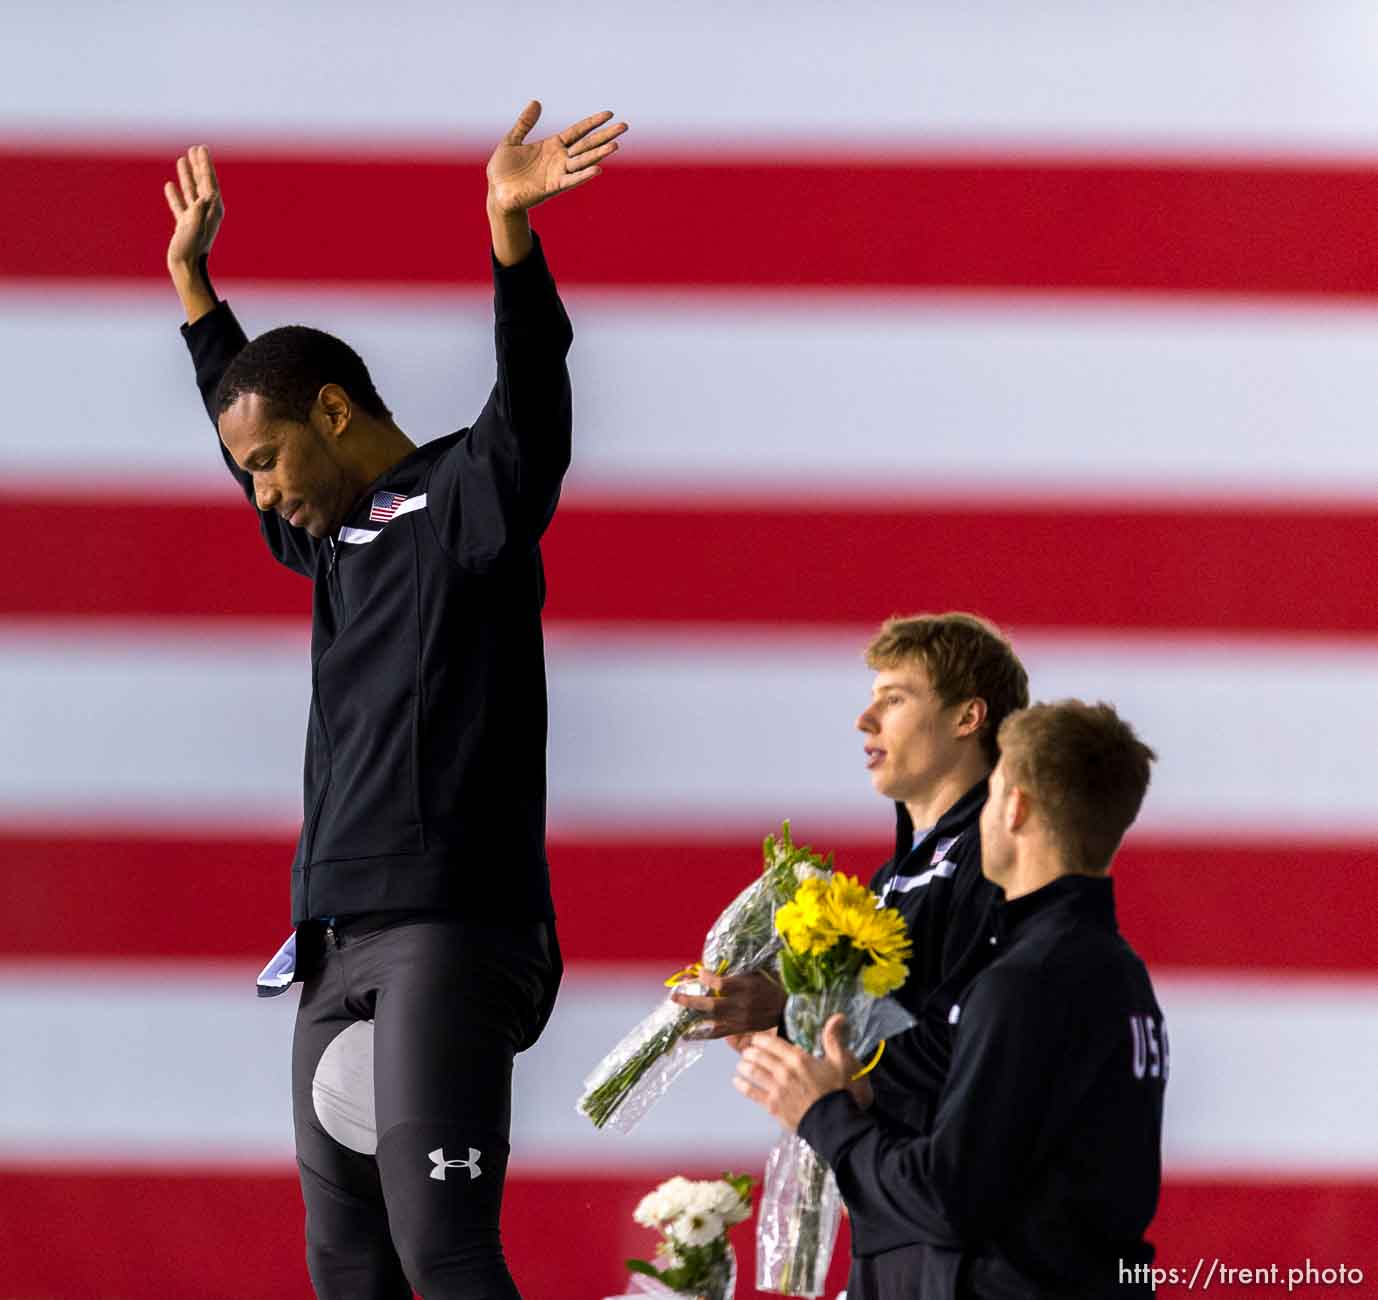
(521, 175)
(196, 205)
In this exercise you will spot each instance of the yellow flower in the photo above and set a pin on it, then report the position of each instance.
(803, 923)
(882, 977)
(824, 911)
(849, 892)
(879, 932)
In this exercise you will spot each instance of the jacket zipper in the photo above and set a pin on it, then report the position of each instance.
(325, 736)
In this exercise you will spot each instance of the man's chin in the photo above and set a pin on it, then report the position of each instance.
(882, 787)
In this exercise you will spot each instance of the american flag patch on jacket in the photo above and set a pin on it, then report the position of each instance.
(384, 506)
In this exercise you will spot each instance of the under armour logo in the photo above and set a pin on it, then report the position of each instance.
(441, 1164)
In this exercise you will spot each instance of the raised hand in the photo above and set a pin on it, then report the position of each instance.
(521, 175)
(196, 207)
(197, 211)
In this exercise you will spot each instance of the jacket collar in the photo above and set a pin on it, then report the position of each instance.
(1091, 896)
(956, 819)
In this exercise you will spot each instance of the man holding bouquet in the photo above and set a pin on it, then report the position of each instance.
(943, 685)
(1042, 1170)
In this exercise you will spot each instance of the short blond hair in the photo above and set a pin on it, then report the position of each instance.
(1086, 770)
(966, 656)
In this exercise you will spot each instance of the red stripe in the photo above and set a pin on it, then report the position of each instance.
(144, 1234)
(140, 1234)
(1184, 568)
(1269, 907)
(1022, 222)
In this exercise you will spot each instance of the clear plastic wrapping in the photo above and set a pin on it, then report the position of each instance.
(640, 1069)
(800, 1207)
(798, 1218)
(638, 1072)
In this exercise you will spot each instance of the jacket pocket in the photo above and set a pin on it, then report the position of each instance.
(371, 805)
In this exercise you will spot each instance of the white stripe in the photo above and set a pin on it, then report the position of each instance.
(1056, 71)
(1270, 1075)
(182, 1064)
(903, 884)
(848, 396)
(362, 536)
(727, 728)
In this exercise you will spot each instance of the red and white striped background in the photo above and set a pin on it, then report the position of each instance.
(1056, 314)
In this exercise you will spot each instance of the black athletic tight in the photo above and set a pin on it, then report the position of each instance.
(401, 1085)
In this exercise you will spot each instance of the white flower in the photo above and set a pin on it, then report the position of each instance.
(677, 1192)
(702, 1196)
(803, 872)
(730, 1205)
(667, 1201)
(650, 1210)
(697, 1228)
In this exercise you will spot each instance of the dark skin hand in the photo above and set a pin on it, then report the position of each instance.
(311, 472)
(743, 1004)
(521, 174)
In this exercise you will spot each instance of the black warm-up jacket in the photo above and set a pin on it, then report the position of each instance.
(937, 886)
(1042, 1170)
(425, 749)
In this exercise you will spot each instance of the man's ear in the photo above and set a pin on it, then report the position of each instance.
(1018, 808)
(971, 716)
(332, 411)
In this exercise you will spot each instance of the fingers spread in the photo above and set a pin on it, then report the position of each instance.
(588, 159)
(526, 119)
(573, 180)
(571, 134)
(596, 139)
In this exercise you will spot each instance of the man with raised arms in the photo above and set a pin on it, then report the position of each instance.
(424, 930)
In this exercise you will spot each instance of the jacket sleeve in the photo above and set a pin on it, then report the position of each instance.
(213, 342)
(963, 1179)
(497, 488)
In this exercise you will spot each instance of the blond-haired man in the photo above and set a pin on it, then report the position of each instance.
(943, 685)
(1042, 1170)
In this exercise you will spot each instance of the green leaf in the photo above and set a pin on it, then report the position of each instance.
(792, 973)
(741, 1184)
(641, 1266)
(680, 1279)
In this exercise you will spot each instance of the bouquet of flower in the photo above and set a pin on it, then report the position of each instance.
(631, 1078)
(845, 953)
(694, 1257)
